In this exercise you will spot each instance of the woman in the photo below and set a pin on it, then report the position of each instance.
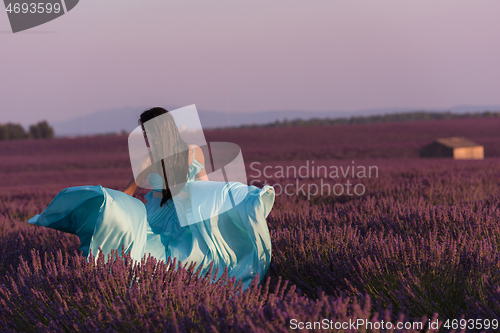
(167, 226)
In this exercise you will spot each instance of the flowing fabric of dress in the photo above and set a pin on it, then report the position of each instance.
(105, 219)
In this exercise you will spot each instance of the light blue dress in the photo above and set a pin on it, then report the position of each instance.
(107, 219)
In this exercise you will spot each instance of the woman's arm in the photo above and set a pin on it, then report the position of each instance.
(132, 187)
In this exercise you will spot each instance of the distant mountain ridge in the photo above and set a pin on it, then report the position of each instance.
(125, 119)
(385, 118)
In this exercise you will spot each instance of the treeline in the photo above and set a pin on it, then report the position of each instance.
(41, 130)
(393, 117)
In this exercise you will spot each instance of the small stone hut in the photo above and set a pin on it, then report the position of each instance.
(457, 147)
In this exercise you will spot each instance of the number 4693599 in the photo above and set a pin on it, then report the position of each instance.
(33, 8)
(473, 324)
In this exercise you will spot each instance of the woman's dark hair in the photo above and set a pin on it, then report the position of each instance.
(167, 142)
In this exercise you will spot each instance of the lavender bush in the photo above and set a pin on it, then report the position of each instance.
(422, 241)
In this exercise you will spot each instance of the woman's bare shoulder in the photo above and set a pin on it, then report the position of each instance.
(198, 153)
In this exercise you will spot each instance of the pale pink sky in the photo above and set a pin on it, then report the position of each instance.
(252, 55)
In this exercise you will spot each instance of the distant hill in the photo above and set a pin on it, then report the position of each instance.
(385, 118)
(125, 119)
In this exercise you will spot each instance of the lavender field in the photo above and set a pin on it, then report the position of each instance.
(422, 242)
